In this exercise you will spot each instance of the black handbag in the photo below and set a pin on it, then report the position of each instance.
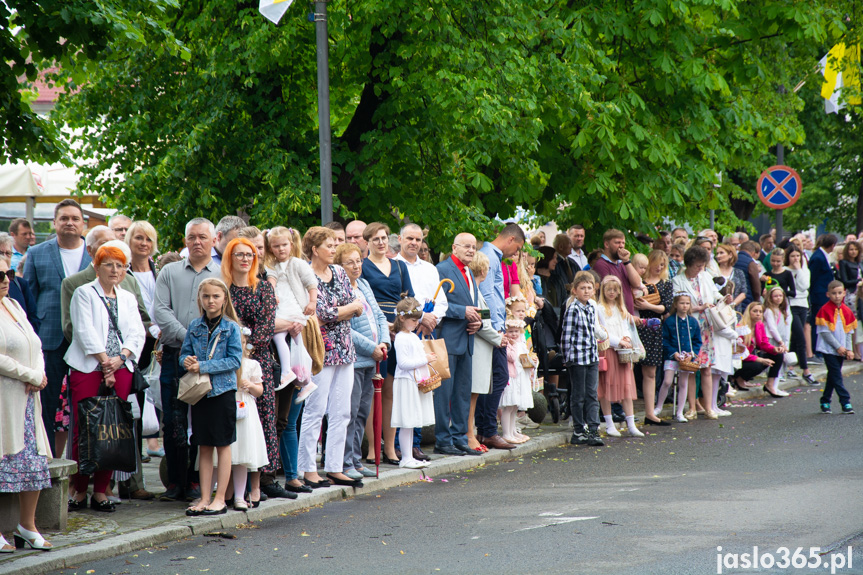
(139, 384)
(106, 440)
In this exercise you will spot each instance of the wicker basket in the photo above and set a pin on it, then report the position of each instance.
(652, 298)
(688, 365)
(431, 383)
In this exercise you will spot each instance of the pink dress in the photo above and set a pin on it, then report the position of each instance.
(510, 276)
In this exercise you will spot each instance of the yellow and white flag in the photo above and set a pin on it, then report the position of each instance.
(835, 79)
(273, 10)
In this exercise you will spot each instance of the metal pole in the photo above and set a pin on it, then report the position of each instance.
(712, 219)
(324, 135)
(780, 160)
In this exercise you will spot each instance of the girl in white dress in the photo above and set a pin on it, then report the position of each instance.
(297, 291)
(249, 452)
(518, 393)
(411, 408)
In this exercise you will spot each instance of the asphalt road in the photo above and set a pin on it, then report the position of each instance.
(775, 474)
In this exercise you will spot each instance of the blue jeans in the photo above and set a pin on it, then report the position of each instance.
(834, 380)
(486, 405)
(583, 400)
(289, 443)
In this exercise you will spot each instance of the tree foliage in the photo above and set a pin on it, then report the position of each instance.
(451, 113)
(39, 34)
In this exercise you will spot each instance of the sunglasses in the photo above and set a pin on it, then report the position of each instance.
(8, 274)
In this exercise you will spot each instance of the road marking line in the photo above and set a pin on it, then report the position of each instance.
(556, 521)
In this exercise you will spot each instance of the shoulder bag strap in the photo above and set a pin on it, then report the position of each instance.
(213, 347)
(114, 321)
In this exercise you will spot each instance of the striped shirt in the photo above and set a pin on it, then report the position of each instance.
(578, 337)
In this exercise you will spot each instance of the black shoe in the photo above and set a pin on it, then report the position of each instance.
(388, 461)
(617, 418)
(419, 455)
(193, 492)
(554, 408)
(593, 439)
(105, 506)
(221, 511)
(75, 505)
(173, 493)
(317, 484)
(276, 490)
(465, 450)
(578, 439)
(448, 450)
(297, 489)
(345, 482)
(651, 422)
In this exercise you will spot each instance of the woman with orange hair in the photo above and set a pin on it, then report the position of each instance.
(255, 304)
(107, 338)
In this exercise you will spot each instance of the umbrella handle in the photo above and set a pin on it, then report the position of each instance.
(444, 281)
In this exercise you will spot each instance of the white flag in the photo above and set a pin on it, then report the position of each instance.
(273, 10)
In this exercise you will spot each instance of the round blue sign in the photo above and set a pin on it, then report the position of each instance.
(779, 187)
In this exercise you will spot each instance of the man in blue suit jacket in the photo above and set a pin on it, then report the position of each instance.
(457, 328)
(47, 265)
(821, 275)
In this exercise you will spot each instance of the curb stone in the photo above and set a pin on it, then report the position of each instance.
(182, 527)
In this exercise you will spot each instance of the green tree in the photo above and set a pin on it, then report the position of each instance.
(39, 34)
(449, 113)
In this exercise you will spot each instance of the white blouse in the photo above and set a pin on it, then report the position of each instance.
(411, 361)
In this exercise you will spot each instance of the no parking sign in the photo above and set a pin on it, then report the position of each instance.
(779, 187)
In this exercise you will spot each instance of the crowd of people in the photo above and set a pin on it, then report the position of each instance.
(273, 340)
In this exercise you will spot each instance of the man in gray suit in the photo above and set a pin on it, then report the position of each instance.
(457, 328)
(48, 264)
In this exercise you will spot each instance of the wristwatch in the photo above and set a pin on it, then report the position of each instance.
(123, 357)
(627, 262)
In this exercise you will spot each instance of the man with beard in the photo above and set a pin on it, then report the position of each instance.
(615, 261)
(576, 237)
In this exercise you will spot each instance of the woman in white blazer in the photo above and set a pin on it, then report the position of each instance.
(103, 348)
(715, 356)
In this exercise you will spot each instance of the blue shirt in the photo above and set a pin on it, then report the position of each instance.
(16, 259)
(492, 287)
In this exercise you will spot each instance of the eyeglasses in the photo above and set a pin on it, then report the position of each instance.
(113, 266)
(468, 248)
(243, 255)
(424, 250)
(9, 275)
(6, 254)
(379, 240)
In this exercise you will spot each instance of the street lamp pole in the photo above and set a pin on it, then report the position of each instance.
(324, 135)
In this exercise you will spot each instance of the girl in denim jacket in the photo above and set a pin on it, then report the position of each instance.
(213, 346)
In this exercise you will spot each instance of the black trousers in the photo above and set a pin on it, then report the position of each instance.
(798, 334)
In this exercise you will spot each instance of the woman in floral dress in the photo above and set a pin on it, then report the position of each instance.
(255, 304)
(336, 306)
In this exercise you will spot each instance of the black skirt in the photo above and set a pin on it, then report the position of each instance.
(214, 420)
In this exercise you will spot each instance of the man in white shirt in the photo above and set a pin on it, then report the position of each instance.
(424, 277)
(576, 238)
(47, 265)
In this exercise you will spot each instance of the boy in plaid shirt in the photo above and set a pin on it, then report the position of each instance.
(578, 341)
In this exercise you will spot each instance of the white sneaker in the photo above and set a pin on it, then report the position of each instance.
(722, 412)
(657, 412)
(611, 430)
(634, 432)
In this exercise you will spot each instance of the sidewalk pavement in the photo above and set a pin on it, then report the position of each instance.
(92, 536)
